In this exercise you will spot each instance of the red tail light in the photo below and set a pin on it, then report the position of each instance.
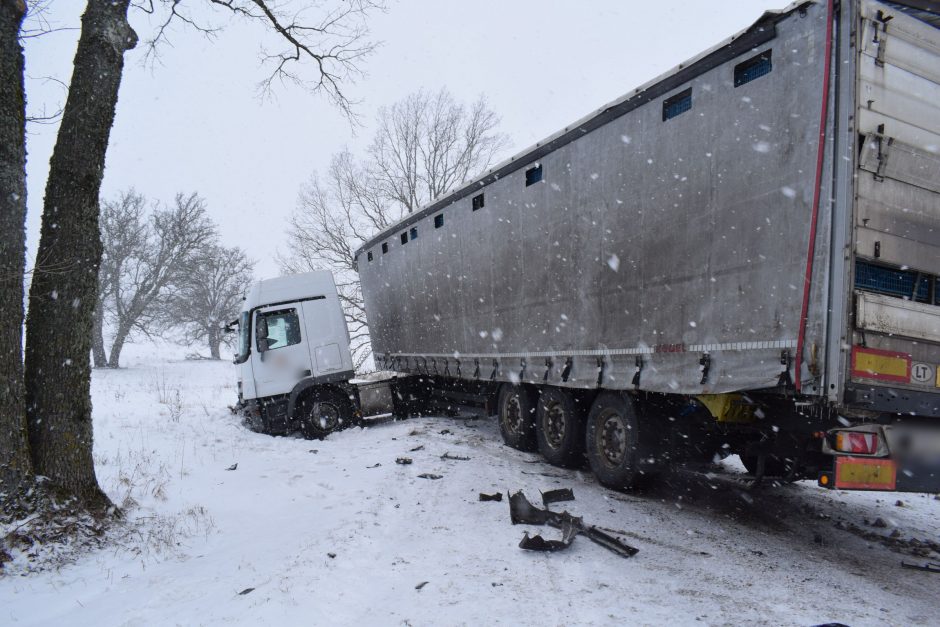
(856, 442)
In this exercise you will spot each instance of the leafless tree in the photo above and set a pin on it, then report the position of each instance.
(124, 236)
(208, 294)
(144, 257)
(424, 146)
(330, 37)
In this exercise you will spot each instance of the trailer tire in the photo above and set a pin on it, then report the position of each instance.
(516, 413)
(559, 428)
(612, 441)
(323, 411)
(773, 466)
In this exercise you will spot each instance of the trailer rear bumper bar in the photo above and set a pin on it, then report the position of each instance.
(893, 400)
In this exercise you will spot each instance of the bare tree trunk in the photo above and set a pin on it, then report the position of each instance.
(120, 336)
(214, 341)
(15, 465)
(97, 337)
(63, 294)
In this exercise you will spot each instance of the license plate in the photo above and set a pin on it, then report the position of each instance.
(863, 473)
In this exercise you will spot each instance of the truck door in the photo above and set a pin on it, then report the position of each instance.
(327, 338)
(287, 358)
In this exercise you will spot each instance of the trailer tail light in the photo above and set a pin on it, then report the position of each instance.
(856, 442)
(872, 363)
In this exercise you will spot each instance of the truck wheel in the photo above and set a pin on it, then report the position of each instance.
(559, 428)
(612, 441)
(516, 406)
(323, 412)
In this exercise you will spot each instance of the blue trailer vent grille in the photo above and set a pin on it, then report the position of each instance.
(755, 67)
(677, 105)
(894, 282)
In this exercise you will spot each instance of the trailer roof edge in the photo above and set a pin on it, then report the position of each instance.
(758, 33)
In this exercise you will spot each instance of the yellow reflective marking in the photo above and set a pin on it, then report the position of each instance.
(880, 364)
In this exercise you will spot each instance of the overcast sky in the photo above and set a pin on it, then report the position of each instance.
(195, 122)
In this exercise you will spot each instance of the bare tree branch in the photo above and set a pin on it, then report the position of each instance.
(424, 146)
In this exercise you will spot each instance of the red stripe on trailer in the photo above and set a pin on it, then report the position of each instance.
(820, 154)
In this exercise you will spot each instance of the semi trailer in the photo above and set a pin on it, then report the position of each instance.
(740, 256)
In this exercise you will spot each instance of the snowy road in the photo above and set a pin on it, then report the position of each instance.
(711, 552)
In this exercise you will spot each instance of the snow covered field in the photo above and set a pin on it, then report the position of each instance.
(335, 532)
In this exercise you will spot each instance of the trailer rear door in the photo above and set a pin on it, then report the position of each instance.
(896, 342)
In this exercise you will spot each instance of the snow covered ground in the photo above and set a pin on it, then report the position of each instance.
(335, 532)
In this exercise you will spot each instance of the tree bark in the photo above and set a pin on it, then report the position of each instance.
(15, 465)
(63, 293)
(120, 336)
(214, 341)
(97, 337)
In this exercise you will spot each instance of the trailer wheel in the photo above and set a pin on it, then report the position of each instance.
(516, 406)
(322, 412)
(612, 441)
(773, 466)
(559, 428)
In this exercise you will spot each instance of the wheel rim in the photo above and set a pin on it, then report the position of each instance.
(612, 439)
(512, 416)
(326, 416)
(554, 424)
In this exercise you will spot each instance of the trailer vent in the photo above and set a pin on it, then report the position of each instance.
(438, 220)
(533, 175)
(404, 237)
(384, 247)
(893, 282)
(369, 255)
(755, 67)
(478, 202)
(414, 232)
(678, 104)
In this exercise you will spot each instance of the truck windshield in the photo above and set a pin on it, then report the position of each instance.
(243, 335)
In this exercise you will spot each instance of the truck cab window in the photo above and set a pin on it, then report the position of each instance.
(283, 327)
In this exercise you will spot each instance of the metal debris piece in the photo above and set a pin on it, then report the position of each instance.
(404, 461)
(491, 497)
(420, 447)
(428, 475)
(233, 466)
(929, 567)
(522, 512)
(332, 556)
(375, 465)
(537, 543)
(245, 591)
(455, 457)
(557, 496)
(421, 585)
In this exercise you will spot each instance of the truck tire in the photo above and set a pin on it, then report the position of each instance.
(612, 441)
(324, 411)
(516, 412)
(559, 428)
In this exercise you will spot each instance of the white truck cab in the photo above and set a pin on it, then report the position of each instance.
(293, 362)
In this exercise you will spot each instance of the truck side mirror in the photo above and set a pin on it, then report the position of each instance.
(261, 334)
